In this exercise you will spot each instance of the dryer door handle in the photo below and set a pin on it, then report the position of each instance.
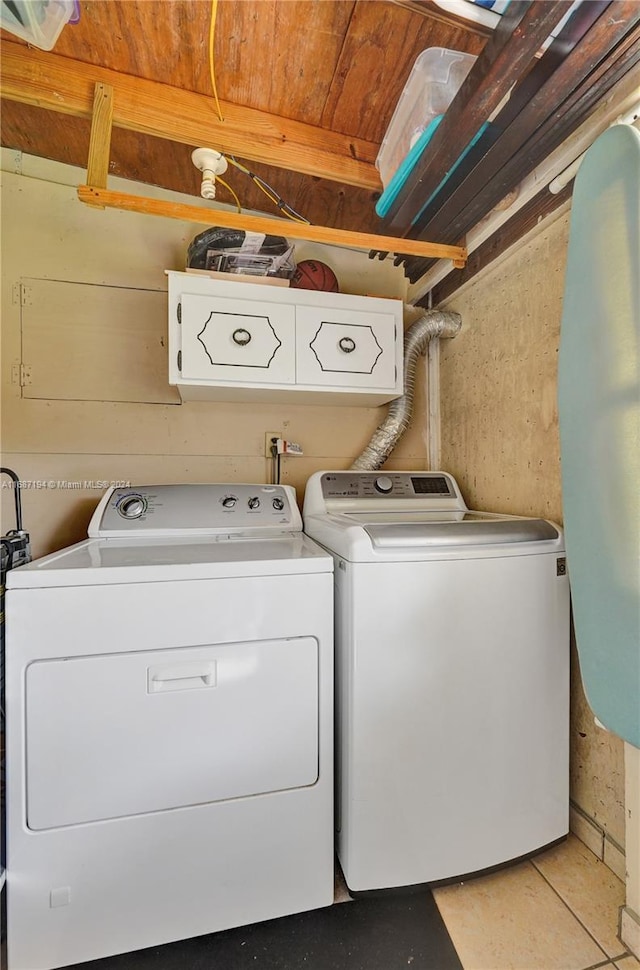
(189, 676)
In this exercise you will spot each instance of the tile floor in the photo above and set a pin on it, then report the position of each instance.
(558, 911)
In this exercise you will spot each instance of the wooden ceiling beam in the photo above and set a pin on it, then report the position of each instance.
(65, 85)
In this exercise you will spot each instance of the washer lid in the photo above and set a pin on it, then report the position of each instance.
(403, 536)
(97, 562)
(469, 529)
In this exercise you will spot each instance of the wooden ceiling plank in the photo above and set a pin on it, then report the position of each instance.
(499, 179)
(380, 48)
(162, 40)
(100, 139)
(294, 230)
(527, 87)
(579, 24)
(279, 57)
(66, 86)
(553, 135)
(556, 95)
(507, 54)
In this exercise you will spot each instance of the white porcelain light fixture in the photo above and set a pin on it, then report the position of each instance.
(211, 163)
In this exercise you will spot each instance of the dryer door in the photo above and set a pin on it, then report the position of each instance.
(122, 734)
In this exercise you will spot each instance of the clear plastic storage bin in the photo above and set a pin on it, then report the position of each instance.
(39, 22)
(435, 79)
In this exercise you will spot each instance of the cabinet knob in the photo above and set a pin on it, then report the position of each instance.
(241, 337)
(347, 345)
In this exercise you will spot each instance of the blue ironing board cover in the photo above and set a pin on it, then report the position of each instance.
(599, 412)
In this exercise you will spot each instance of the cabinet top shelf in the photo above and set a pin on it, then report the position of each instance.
(258, 290)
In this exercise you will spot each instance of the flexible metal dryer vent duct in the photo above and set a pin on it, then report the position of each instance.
(434, 323)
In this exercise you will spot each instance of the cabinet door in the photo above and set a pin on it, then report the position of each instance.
(237, 340)
(345, 348)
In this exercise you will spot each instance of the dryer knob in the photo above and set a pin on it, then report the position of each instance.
(229, 501)
(278, 504)
(383, 484)
(132, 508)
(254, 502)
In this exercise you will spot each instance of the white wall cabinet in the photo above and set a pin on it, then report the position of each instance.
(232, 340)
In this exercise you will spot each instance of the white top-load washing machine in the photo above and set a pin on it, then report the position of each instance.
(169, 701)
(452, 678)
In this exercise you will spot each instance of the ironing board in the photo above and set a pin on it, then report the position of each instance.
(599, 411)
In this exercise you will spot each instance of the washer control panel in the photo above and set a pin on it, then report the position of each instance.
(355, 491)
(219, 509)
(337, 485)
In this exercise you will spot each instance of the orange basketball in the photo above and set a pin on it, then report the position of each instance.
(313, 275)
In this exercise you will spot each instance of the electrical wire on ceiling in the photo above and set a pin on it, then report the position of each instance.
(212, 72)
(270, 192)
(229, 189)
(280, 204)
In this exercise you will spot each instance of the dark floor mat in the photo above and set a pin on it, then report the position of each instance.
(384, 933)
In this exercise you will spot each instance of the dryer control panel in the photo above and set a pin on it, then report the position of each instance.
(216, 510)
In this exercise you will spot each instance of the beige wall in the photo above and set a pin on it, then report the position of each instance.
(47, 234)
(500, 439)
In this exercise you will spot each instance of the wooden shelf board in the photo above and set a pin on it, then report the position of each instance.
(283, 227)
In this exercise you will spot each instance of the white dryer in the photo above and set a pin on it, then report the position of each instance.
(452, 678)
(169, 695)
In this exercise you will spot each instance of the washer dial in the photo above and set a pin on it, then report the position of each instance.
(383, 484)
(132, 506)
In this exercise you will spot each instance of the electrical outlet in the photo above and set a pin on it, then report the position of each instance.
(268, 435)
